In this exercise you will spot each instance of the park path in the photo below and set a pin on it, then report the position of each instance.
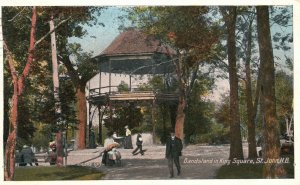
(197, 162)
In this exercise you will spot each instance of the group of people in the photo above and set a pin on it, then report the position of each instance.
(111, 156)
(173, 149)
(127, 141)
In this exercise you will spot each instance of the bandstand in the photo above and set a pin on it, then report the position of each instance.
(132, 53)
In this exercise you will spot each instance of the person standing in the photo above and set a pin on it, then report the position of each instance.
(128, 142)
(173, 151)
(139, 145)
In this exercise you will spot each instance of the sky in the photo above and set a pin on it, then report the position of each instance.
(100, 37)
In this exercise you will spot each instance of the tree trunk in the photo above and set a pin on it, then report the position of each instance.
(82, 116)
(271, 141)
(172, 109)
(12, 137)
(182, 103)
(252, 153)
(18, 90)
(153, 118)
(58, 139)
(180, 117)
(236, 150)
(100, 114)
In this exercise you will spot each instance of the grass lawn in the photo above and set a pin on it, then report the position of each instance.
(41, 173)
(251, 171)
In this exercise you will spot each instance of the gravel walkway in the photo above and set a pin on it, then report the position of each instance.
(197, 162)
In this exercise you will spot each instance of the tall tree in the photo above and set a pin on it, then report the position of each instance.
(17, 27)
(171, 25)
(251, 111)
(246, 48)
(78, 63)
(236, 150)
(271, 144)
(80, 76)
(18, 83)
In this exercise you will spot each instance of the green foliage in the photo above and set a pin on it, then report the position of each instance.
(282, 18)
(51, 173)
(222, 111)
(16, 31)
(41, 137)
(82, 62)
(36, 107)
(25, 124)
(216, 134)
(284, 88)
(156, 83)
(127, 114)
(163, 122)
(187, 28)
(68, 104)
(199, 111)
(123, 87)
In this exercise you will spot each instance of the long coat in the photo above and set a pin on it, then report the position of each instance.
(173, 151)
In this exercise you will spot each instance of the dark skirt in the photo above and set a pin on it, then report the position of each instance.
(128, 142)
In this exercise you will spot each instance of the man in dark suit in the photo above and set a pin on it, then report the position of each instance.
(173, 151)
(139, 145)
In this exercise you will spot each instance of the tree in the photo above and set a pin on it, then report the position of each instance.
(199, 111)
(125, 115)
(18, 83)
(251, 110)
(78, 63)
(123, 87)
(171, 25)
(284, 102)
(236, 150)
(86, 70)
(17, 28)
(245, 51)
(271, 144)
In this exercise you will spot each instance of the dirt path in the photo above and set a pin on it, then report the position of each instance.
(197, 162)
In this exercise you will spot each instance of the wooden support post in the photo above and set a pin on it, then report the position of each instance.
(153, 121)
(100, 82)
(100, 125)
(130, 83)
(90, 125)
(109, 80)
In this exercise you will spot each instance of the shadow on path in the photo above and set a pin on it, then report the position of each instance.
(150, 169)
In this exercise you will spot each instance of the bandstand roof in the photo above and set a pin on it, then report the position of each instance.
(134, 52)
(135, 42)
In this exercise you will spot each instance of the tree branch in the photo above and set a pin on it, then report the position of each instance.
(17, 15)
(71, 71)
(47, 34)
(194, 77)
(30, 51)
(9, 56)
